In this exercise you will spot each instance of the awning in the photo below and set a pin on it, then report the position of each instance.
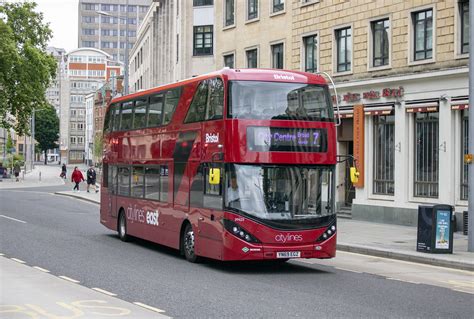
(422, 107)
(346, 113)
(378, 110)
(460, 105)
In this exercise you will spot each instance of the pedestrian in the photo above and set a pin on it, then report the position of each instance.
(63, 171)
(17, 170)
(91, 177)
(76, 177)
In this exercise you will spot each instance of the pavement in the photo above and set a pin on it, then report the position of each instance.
(23, 295)
(382, 240)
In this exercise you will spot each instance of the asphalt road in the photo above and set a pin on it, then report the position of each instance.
(64, 236)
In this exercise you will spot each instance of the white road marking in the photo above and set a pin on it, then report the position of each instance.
(148, 307)
(42, 269)
(18, 260)
(17, 220)
(2, 254)
(69, 279)
(105, 292)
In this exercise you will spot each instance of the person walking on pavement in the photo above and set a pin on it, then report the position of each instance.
(63, 171)
(91, 177)
(77, 177)
(17, 170)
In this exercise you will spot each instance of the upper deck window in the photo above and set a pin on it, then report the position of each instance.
(282, 101)
(208, 102)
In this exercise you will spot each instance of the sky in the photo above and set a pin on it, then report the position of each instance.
(62, 18)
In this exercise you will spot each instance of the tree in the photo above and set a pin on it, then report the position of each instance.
(25, 68)
(98, 147)
(46, 130)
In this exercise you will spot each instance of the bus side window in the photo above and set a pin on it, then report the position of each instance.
(138, 179)
(216, 99)
(139, 119)
(107, 122)
(155, 110)
(152, 183)
(127, 116)
(171, 101)
(116, 115)
(164, 183)
(123, 181)
(197, 109)
(105, 177)
(113, 179)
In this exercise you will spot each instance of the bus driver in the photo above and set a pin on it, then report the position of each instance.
(233, 196)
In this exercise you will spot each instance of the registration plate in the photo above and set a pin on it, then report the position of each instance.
(288, 254)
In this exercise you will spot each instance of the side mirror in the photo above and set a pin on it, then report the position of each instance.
(354, 175)
(214, 176)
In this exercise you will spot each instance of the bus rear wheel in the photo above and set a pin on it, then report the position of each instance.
(188, 244)
(122, 227)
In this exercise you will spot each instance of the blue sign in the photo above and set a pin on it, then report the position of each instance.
(442, 229)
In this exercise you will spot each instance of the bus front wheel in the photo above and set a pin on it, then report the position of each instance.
(122, 227)
(188, 244)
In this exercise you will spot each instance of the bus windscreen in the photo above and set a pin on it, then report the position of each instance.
(279, 101)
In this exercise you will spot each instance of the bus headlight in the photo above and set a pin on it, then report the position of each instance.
(236, 230)
(330, 231)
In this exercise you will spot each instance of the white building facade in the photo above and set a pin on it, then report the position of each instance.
(174, 42)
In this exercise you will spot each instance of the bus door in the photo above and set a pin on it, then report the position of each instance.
(211, 212)
(112, 190)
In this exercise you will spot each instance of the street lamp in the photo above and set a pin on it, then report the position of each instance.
(103, 13)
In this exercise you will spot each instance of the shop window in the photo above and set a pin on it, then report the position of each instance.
(384, 156)
(426, 154)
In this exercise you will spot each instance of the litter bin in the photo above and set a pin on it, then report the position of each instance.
(435, 229)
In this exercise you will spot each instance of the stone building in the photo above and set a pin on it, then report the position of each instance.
(174, 42)
(406, 63)
(253, 34)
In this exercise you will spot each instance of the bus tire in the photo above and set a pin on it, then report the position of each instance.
(122, 227)
(189, 244)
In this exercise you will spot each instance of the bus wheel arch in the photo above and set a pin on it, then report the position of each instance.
(122, 225)
(187, 242)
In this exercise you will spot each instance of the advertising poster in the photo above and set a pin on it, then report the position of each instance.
(442, 229)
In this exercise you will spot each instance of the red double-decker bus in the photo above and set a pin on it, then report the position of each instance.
(232, 165)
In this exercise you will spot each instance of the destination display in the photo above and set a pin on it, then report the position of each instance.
(282, 139)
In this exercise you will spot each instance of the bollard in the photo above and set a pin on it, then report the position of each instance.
(23, 175)
(39, 176)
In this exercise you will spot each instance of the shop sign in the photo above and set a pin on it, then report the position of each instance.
(358, 132)
(371, 95)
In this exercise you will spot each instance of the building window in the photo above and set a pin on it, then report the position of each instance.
(89, 44)
(344, 49)
(229, 12)
(464, 13)
(384, 155)
(251, 58)
(277, 56)
(423, 26)
(310, 53)
(199, 3)
(229, 61)
(380, 44)
(426, 154)
(465, 150)
(203, 40)
(252, 9)
(278, 5)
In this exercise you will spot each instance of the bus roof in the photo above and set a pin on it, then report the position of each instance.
(264, 75)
